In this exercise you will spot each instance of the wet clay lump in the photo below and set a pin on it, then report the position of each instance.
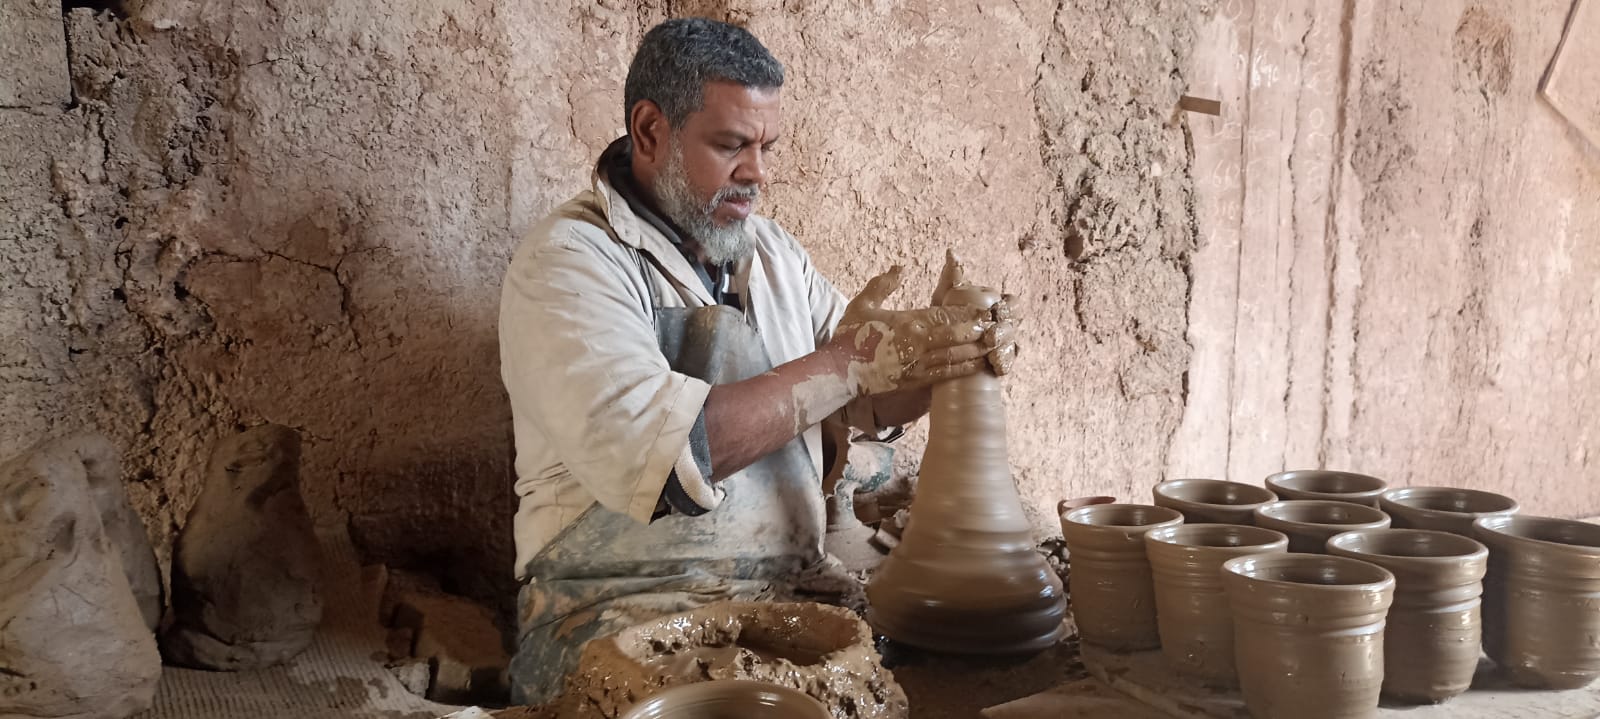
(965, 577)
(1430, 647)
(1110, 585)
(823, 651)
(1308, 634)
(1212, 500)
(1327, 484)
(1445, 509)
(1192, 611)
(1540, 617)
(1310, 523)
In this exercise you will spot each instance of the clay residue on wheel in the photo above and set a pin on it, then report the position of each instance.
(823, 651)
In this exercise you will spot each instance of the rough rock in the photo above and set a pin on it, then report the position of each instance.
(73, 643)
(458, 642)
(821, 650)
(245, 573)
(103, 467)
(33, 51)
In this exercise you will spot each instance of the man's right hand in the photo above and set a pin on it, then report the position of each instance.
(890, 350)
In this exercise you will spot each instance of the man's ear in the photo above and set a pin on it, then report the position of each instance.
(649, 128)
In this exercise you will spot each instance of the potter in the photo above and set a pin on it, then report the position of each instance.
(669, 354)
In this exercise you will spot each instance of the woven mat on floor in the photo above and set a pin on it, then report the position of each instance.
(340, 676)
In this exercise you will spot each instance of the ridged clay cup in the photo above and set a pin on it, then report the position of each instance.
(1446, 509)
(1431, 644)
(1109, 582)
(1191, 606)
(1308, 634)
(1310, 523)
(1541, 601)
(1212, 501)
(1327, 484)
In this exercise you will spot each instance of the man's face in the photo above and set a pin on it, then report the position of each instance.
(712, 168)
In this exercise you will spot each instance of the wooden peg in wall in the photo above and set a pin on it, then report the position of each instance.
(1200, 105)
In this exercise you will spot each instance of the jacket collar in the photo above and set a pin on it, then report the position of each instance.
(636, 231)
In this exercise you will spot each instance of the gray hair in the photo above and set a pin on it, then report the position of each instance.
(678, 57)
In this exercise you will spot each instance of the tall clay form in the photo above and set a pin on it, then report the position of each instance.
(966, 577)
(1113, 596)
(1540, 616)
(1430, 646)
(1308, 634)
(1191, 606)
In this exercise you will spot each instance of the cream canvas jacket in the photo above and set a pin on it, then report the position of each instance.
(597, 413)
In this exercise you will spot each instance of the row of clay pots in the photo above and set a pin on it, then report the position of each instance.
(1310, 630)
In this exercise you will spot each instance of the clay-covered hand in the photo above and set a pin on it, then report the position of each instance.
(891, 350)
(1001, 334)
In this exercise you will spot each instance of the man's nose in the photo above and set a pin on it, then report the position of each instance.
(752, 167)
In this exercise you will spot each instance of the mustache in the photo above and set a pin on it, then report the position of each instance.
(735, 192)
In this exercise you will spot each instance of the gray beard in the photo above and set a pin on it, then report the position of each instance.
(718, 245)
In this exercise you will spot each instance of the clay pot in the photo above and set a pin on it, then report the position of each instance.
(1430, 647)
(1212, 500)
(1067, 505)
(966, 577)
(1308, 633)
(1113, 596)
(1310, 523)
(1191, 606)
(728, 699)
(1445, 509)
(1327, 484)
(1540, 620)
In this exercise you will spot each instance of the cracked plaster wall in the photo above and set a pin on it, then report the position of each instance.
(1398, 246)
(299, 212)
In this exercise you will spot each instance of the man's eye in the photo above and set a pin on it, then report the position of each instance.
(730, 148)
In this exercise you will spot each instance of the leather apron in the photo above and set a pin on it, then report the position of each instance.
(606, 571)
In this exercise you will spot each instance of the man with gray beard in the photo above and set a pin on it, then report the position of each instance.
(669, 356)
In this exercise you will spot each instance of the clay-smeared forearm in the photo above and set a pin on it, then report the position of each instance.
(748, 420)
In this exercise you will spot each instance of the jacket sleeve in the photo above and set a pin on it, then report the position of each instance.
(579, 357)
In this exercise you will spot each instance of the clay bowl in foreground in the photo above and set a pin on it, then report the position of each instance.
(1539, 618)
(1327, 484)
(1446, 509)
(728, 699)
(1432, 639)
(1308, 633)
(1212, 500)
(1310, 523)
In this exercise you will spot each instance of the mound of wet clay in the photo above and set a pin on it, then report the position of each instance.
(821, 650)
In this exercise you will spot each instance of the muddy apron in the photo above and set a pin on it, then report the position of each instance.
(606, 572)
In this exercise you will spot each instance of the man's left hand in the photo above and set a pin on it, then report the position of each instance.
(1000, 337)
